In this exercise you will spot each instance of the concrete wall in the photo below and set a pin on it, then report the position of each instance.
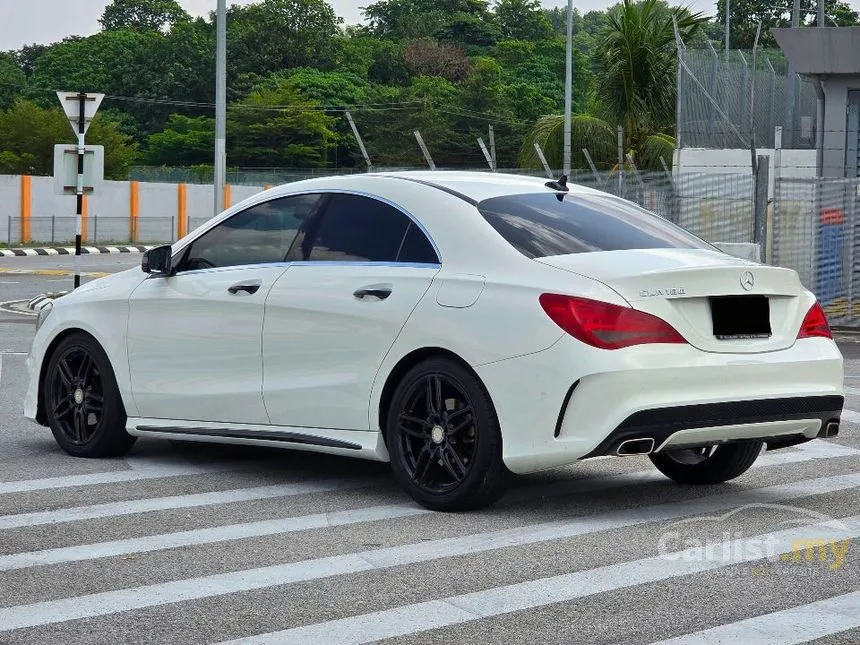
(794, 163)
(108, 212)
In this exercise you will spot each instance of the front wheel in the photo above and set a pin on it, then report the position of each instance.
(444, 438)
(708, 465)
(82, 402)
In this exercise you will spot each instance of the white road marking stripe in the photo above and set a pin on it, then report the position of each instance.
(850, 416)
(420, 617)
(110, 602)
(131, 507)
(788, 627)
(206, 536)
(148, 469)
(137, 471)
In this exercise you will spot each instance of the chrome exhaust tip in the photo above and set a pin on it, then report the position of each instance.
(643, 446)
(831, 429)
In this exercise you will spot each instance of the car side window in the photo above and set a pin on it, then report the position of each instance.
(416, 247)
(258, 235)
(352, 228)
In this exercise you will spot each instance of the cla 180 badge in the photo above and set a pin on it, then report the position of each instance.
(650, 293)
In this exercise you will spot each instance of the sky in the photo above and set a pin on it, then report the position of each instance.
(46, 21)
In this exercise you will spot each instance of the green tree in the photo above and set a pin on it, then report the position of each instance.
(278, 34)
(12, 80)
(142, 15)
(278, 127)
(523, 20)
(185, 141)
(636, 67)
(462, 21)
(635, 73)
(28, 134)
(744, 16)
(118, 63)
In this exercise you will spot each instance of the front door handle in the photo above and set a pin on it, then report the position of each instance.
(378, 291)
(244, 287)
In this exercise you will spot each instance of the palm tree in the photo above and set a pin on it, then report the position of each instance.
(636, 70)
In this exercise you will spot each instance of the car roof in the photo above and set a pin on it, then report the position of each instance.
(478, 186)
(469, 185)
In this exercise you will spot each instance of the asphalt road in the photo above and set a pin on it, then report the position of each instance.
(192, 543)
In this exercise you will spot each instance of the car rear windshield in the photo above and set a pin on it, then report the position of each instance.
(544, 224)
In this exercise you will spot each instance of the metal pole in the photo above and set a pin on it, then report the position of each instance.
(772, 111)
(220, 106)
(82, 126)
(493, 148)
(620, 161)
(591, 165)
(9, 232)
(542, 158)
(760, 205)
(568, 88)
(358, 139)
(752, 97)
(487, 154)
(727, 32)
(53, 227)
(821, 13)
(95, 229)
(791, 80)
(424, 150)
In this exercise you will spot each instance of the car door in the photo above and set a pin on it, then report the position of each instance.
(359, 268)
(194, 338)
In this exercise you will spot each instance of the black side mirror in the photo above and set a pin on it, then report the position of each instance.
(158, 261)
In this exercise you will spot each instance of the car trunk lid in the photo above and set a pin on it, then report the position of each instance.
(719, 303)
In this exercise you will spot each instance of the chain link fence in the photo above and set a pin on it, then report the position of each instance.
(815, 233)
(60, 231)
(724, 99)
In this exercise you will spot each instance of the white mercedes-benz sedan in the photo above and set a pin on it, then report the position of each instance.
(464, 326)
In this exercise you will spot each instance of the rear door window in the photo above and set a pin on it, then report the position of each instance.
(545, 224)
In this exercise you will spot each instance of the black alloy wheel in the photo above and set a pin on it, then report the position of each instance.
(707, 465)
(76, 395)
(81, 401)
(437, 433)
(444, 438)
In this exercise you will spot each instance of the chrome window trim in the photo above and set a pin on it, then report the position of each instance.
(177, 252)
(285, 265)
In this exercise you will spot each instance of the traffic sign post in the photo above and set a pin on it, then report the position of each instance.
(80, 107)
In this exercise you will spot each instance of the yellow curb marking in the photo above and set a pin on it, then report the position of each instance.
(61, 272)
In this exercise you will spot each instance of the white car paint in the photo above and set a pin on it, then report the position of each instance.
(304, 358)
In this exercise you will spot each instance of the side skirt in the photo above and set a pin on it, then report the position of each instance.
(351, 443)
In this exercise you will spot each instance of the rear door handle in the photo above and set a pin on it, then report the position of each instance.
(379, 291)
(244, 287)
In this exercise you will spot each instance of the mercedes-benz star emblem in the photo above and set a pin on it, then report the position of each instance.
(747, 280)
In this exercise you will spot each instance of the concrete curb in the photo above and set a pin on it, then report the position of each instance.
(67, 250)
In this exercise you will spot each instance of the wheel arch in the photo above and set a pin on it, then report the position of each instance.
(406, 363)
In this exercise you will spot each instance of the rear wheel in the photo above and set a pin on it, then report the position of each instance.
(708, 465)
(81, 400)
(444, 438)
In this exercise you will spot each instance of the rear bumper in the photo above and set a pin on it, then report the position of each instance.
(689, 395)
(777, 419)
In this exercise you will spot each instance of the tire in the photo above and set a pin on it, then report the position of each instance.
(444, 439)
(81, 400)
(709, 465)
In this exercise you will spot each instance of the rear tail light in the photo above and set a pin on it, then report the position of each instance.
(815, 324)
(604, 325)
